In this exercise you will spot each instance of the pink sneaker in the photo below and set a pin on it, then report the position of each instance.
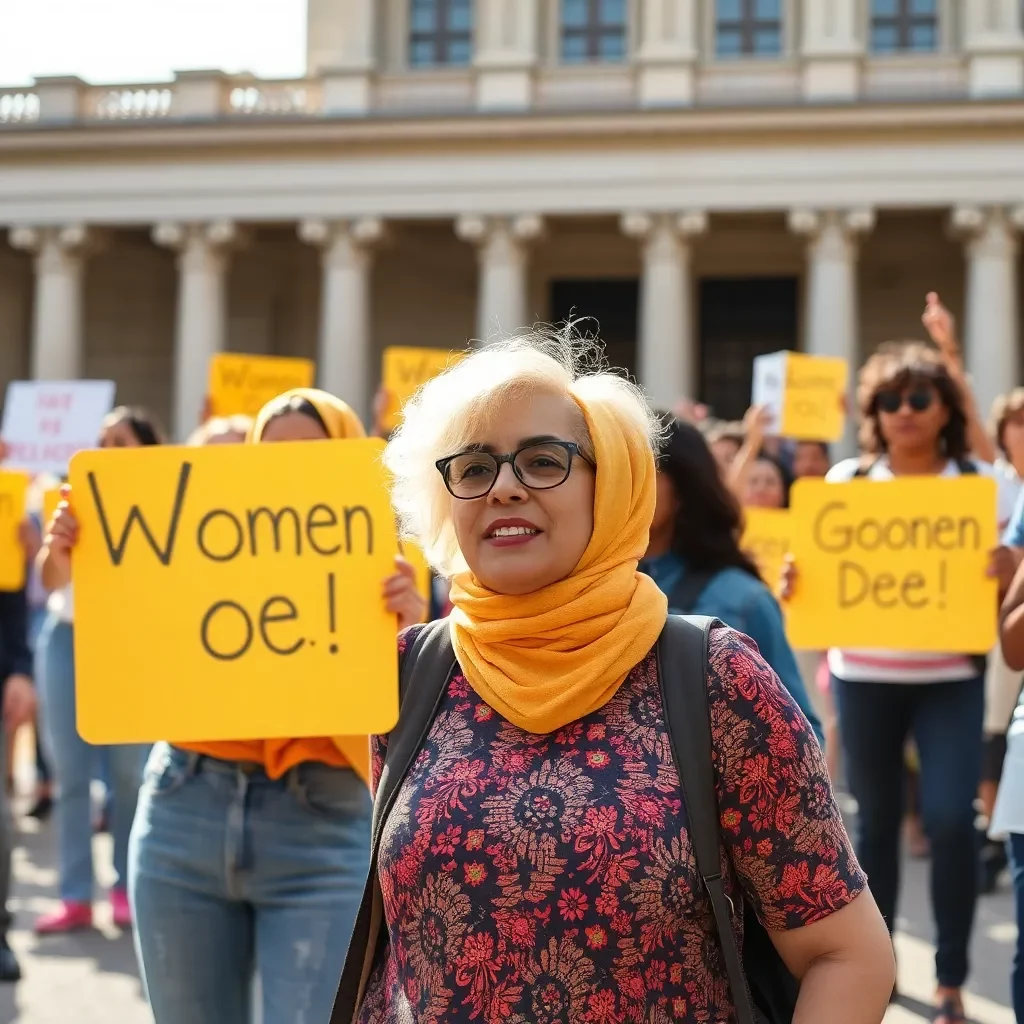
(70, 918)
(119, 905)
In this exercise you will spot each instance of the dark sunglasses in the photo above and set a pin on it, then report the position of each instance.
(892, 401)
(538, 466)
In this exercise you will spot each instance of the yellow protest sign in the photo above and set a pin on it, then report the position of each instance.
(896, 565)
(405, 370)
(803, 394)
(414, 555)
(233, 592)
(13, 490)
(241, 384)
(766, 541)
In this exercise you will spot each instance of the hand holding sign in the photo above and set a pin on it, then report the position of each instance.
(917, 548)
(246, 583)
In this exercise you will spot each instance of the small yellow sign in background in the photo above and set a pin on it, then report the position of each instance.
(13, 490)
(766, 541)
(803, 393)
(405, 370)
(413, 554)
(243, 384)
(898, 565)
(233, 592)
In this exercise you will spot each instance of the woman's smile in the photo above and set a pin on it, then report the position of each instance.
(507, 533)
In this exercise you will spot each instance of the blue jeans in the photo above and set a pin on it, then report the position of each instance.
(73, 762)
(233, 873)
(945, 719)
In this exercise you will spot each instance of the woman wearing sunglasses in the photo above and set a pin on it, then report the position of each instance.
(914, 422)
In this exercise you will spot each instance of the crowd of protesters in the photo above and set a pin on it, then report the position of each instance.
(534, 864)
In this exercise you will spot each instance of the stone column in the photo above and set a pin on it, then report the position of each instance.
(668, 52)
(57, 325)
(994, 46)
(201, 316)
(505, 58)
(831, 50)
(831, 299)
(502, 246)
(342, 50)
(990, 328)
(343, 362)
(667, 363)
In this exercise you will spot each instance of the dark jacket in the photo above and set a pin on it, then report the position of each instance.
(15, 655)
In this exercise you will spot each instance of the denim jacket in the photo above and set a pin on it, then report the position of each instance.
(746, 604)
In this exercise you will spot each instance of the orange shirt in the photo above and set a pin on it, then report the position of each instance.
(278, 756)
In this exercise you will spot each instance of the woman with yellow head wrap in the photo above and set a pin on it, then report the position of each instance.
(249, 856)
(534, 859)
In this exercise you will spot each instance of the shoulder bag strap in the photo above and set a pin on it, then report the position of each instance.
(426, 668)
(682, 654)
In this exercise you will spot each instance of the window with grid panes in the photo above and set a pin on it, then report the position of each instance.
(440, 32)
(904, 26)
(593, 30)
(748, 28)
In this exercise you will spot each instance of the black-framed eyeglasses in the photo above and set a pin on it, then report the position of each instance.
(919, 399)
(539, 466)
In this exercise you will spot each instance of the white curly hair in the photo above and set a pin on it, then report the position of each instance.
(447, 413)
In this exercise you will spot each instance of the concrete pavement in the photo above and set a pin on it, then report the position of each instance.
(90, 978)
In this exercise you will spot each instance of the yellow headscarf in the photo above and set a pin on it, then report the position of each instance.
(342, 424)
(339, 419)
(554, 656)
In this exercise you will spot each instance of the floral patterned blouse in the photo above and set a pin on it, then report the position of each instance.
(536, 879)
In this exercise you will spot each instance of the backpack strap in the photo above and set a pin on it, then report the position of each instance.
(682, 655)
(865, 465)
(687, 591)
(967, 467)
(425, 671)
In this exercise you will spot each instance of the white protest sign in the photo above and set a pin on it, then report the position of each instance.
(769, 387)
(47, 421)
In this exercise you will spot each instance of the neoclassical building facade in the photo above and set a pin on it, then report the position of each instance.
(706, 179)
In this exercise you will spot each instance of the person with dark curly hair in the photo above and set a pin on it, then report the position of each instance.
(916, 416)
(695, 558)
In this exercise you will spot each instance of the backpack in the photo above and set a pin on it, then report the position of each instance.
(966, 468)
(762, 988)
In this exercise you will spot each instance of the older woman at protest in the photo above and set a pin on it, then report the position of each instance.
(536, 861)
(915, 421)
(247, 857)
(74, 760)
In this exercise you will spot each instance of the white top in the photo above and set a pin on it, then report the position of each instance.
(62, 604)
(1010, 486)
(877, 666)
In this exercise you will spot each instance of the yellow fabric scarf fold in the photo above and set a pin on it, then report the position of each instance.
(548, 658)
(342, 424)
